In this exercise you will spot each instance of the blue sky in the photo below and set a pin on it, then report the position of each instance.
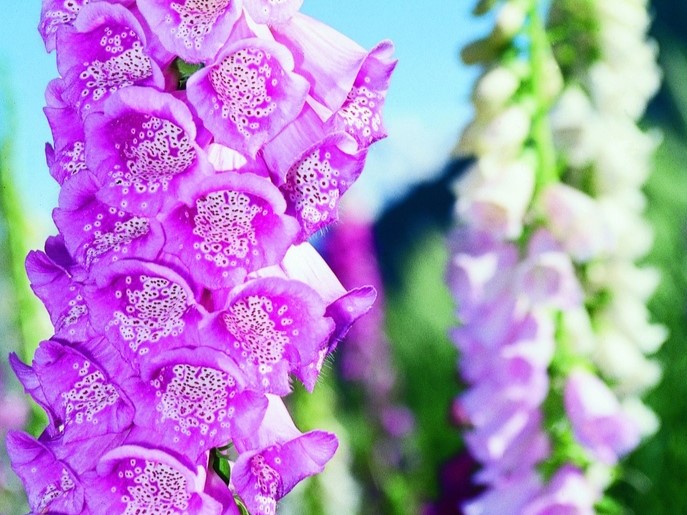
(426, 107)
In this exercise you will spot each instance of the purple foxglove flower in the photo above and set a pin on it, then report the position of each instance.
(275, 458)
(51, 485)
(101, 53)
(546, 278)
(176, 308)
(141, 147)
(317, 180)
(272, 327)
(195, 30)
(248, 94)
(136, 479)
(480, 267)
(263, 477)
(510, 446)
(56, 13)
(98, 234)
(143, 307)
(229, 225)
(272, 12)
(361, 113)
(303, 263)
(193, 400)
(576, 221)
(597, 419)
(567, 492)
(81, 397)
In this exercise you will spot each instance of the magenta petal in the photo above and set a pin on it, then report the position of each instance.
(57, 13)
(315, 183)
(97, 234)
(349, 308)
(232, 224)
(84, 398)
(143, 307)
(248, 94)
(597, 419)
(102, 53)
(191, 400)
(134, 479)
(193, 29)
(141, 147)
(275, 427)
(61, 295)
(262, 478)
(68, 157)
(301, 135)
(32, 385)
(326, 58)
(344, 311)
(361, 113)
(271, 12)
(271, 327)
(50, 484)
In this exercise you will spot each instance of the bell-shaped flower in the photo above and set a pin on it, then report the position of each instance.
(80, 395)
(52, 280)
(303, 263)
(51, 485)
(68, 155)
(597, 419)
(248, 94)
(272, 327)
(58, 13)
(575, 220)
(316, 181)
(104, 51)
(361, 113)
(97, 234)
(277, 457)
(568, 491)
(481, 267)
(195, 30)
(142, 307)
(229, 224)
(192, 398)
(133, 478)
(140, 147)
(494, 195)
(546, 278)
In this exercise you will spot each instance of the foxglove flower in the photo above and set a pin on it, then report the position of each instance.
(534, 327)
(184, 297)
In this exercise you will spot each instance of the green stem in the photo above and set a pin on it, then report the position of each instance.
(541, 131)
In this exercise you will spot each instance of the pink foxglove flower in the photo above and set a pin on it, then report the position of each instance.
(597, 418)
(193, 167)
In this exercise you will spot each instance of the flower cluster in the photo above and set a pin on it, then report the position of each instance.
(198, 144)
(548, 297)
(597, 216)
